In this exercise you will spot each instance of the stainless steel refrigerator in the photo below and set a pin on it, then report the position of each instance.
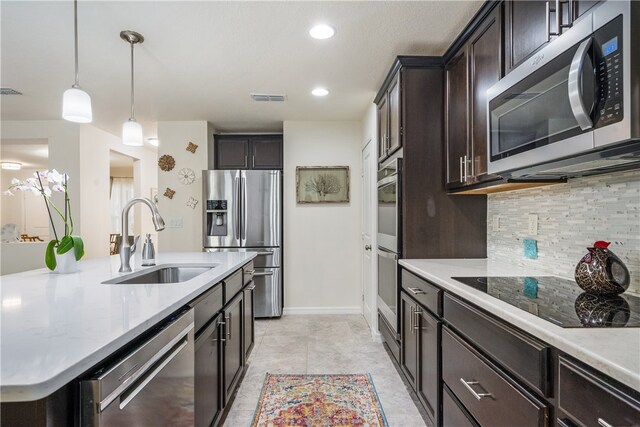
(243, 212)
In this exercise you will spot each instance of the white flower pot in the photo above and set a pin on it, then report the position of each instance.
(66, 263)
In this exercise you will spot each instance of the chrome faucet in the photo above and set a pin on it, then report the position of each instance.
(127, 250)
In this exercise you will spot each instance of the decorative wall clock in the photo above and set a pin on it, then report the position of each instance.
(186, 176)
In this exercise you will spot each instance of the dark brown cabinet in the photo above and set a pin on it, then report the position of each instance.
(233, 345)
(207, 374)
(389, 127)
(248, 152)
(475, 68)
(526, 29)
(420, 355)
(249, 321)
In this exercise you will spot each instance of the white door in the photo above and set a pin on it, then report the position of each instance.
(368, 267)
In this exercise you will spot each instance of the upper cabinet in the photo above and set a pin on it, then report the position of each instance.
(248, 151)
(530, 25)
(389, 128)
(474, 68)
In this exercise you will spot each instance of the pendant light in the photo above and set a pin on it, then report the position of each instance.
(131, 129)
(76, 103)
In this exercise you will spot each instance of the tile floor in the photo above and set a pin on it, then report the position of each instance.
(322, 344)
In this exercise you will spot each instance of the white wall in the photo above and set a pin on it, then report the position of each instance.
(95, 221)
(174, 137)
(24, 209)
(322, 241)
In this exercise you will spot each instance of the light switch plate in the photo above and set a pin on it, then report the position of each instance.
(175, 223)
(533, 224)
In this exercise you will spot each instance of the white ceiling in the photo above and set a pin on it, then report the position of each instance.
(119, 160)
(200, 60)
(31, 153)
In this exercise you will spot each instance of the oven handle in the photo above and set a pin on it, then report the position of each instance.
(386, 254)
(391, 179)
(575, 86)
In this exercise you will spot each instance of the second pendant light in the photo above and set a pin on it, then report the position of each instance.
(131, 129)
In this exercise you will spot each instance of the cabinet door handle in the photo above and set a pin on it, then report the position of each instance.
(564, 422)
(603, 423)
(461, 167)
(466, 170)
(416, 322)
(253, 161)
(416, 291)
(222, 339)
(475, 394)
(411, 319)
(228, 325)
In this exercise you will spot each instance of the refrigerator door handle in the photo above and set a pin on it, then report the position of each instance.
(236, 208)
(243, 204)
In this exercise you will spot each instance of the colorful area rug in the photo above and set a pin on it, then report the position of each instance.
(319, 401)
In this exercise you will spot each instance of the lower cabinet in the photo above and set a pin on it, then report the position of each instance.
(207, 374)
(452, 414)
(420, 355)
(233, 345)
(248, 323)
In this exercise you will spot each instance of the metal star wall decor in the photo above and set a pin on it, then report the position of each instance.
(192, 147)
(192, 203)
(169, 193)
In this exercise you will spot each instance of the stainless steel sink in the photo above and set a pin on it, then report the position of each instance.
(163, 274)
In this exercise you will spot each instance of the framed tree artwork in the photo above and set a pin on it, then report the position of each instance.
(322, 184)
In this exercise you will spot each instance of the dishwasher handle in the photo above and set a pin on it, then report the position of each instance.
(146, 377)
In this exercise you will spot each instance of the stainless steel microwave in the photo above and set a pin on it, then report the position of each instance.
(577, 96)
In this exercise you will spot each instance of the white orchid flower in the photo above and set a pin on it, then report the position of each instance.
(31, 181)
(8, 193)
(15, 181)
(58, 188)
(47, 191)
(55, 177)
(35, 191)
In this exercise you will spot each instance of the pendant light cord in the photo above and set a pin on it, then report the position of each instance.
(75, 34)
(132, 100)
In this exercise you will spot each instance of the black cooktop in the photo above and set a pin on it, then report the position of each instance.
(560, 301)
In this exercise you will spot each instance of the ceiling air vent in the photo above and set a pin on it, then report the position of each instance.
(260, 97)
(9, 91)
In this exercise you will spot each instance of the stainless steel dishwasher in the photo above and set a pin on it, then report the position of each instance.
(151, 385)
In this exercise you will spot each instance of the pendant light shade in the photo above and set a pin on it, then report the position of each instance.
(131, 129)
(132, 133)
(76, 103)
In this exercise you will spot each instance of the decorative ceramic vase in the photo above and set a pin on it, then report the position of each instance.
(601, 272)
(598, 311)
(66, 262)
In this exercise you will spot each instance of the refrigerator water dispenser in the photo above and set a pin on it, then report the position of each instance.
(216, 217)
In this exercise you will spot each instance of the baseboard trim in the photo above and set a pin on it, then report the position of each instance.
(292, 311)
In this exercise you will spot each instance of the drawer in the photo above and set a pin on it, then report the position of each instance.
(248, 271)
(525, 357)
(423, 292)
(389, 337)
(490, 397)
(206, 306)
(232, 285)
(589, 400)
(452, 415)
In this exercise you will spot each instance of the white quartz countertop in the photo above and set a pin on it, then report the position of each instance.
(57, 326)
(613, 351)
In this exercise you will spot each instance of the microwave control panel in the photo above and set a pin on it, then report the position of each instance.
(608, 63)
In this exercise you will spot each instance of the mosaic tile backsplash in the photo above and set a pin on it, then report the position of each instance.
(571, 217)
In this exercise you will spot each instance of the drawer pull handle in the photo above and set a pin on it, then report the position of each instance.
(250, 272)
(411, 319)
(416, 291)
(603, 423)
(475, 394)
(416, 322)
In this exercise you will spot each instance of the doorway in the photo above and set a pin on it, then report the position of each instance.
(121, 190)
(369, 270)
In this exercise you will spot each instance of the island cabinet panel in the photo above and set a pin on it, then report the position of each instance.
(208, 381)
(428, 381)
(489, 396)
(524, 356)
(587, 399)
(248, 323)
(233, 345)
(452, 414)
(409, 353)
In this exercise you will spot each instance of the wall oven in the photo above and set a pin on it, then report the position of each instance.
(389, 239)
(389, 205)
(577, 95)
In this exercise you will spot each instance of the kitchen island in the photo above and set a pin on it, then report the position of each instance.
(55, 327)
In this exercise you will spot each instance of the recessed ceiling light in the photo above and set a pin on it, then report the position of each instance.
(322, 32)
(319, 91)
(14, 166)
(153, 141)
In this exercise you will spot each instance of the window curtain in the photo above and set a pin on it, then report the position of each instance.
(121, 192)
